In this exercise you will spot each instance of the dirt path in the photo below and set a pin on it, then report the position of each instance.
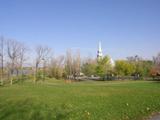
(155, 117)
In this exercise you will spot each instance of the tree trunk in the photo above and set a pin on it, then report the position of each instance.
(11, 82)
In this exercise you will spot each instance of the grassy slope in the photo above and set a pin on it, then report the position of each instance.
(79, 101)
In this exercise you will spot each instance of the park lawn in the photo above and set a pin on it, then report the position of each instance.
(90, 100)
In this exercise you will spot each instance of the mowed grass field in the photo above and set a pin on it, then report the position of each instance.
(126, 100)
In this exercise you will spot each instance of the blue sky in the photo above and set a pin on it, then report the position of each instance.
(125, 27)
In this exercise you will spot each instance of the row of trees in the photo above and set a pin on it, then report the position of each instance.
(132, 66)
(94, 67)
(16, 58)
(68, 66)
(12, 57)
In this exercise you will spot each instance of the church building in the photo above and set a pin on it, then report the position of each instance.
(100, 54)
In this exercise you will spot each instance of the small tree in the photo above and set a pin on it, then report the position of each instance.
(103, 66)
(42, 54)
(155, 71)
(89, 67)
(124, 68)
(142, 67)
(68, 64)
(56, 67)
(76, 66)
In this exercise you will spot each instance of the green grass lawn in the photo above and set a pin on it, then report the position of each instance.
(79, 101)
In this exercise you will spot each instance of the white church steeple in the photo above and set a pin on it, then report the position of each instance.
(99, 52)
(100, 55)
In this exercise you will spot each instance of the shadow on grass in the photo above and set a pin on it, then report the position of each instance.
(32, 110)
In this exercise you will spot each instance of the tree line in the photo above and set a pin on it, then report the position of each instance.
(134, 67)
(18, 61)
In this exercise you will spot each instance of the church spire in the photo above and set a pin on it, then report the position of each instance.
(99, 52)
(100, 47)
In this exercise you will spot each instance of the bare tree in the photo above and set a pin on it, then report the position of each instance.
(156, 59)
(89, 66)
(68, 64)
(56, 67)
(42, 54)
(76, 64)
(156, 67)
(22, 58)
(2, 58)
(13, 50)
(73, 64)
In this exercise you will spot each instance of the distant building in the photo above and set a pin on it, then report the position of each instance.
(112, 62)
(100, 55)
